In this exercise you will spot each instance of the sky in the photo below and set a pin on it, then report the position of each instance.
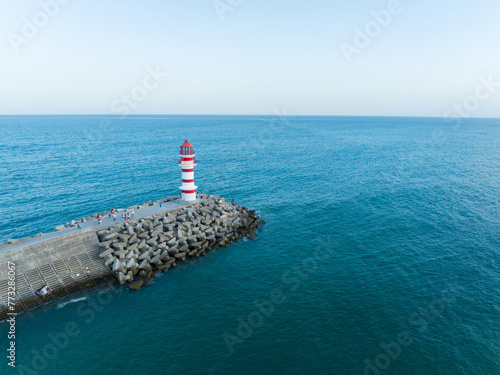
(255, 57)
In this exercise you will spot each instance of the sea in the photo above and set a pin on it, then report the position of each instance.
(380, 253)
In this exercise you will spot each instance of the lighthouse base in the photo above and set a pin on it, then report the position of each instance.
(189, 197)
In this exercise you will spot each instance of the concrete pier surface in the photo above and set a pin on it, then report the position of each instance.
(142, 212)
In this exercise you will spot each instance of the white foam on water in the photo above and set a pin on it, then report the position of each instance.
(71, 301)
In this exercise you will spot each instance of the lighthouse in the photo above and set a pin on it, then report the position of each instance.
(187, 163)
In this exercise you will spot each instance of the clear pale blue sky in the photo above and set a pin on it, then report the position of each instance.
(264, 56)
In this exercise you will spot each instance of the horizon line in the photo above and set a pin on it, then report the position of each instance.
(254, 115)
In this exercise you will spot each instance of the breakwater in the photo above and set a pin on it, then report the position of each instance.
(132, 252)
(137, 251)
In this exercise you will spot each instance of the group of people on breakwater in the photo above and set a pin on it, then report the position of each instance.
(125, 215)
(112, 214)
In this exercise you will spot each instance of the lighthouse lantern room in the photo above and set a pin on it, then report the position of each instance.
(187, 163)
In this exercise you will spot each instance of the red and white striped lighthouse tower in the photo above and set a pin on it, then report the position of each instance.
(187, 163)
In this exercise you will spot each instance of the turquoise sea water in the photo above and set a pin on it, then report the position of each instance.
(381, 233)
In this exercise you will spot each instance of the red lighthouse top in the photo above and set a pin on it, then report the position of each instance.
(186, 148)
(186, 144)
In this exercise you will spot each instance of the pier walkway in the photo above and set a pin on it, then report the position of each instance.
(106, 222)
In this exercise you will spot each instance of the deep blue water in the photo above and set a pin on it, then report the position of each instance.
(380, 232)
